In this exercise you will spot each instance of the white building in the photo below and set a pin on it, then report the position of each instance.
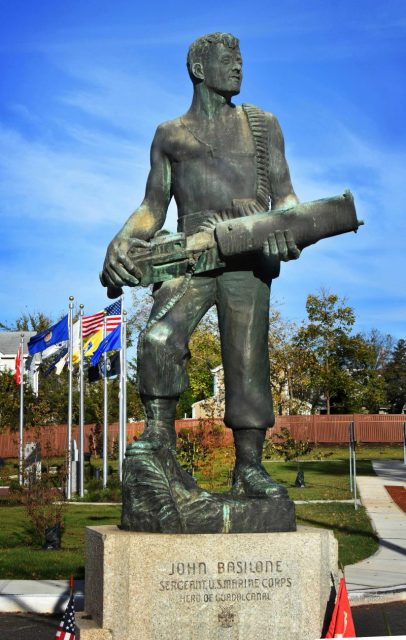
(9, 343)
(212, 407)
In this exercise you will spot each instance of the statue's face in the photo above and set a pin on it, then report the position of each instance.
(222, 71)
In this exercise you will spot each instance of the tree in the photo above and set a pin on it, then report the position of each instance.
(365, 388)
(35, 408)
(382, 345)
(329, 324)
(341, 366)
(9, 401)
(289, 368)
(395, 378)
(36, 321)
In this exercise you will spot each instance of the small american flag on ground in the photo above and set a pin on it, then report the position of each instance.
(91, 324)
(66, 630)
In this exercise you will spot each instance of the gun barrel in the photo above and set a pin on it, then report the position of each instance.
(308, 221)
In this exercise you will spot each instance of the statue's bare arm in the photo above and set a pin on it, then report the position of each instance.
(280, 244)
(281, 189)
(144, 222)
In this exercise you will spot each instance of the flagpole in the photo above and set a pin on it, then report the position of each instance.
(124, 345)
(69, 434)
(81, 409)
(105, 409)
(21, 430)
(121, 397)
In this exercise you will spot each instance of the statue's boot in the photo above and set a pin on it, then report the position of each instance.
(250, 479)
(159, 431)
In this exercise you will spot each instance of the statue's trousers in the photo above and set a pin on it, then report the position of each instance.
(242, 300)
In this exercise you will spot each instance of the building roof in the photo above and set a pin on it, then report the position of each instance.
(10, 340)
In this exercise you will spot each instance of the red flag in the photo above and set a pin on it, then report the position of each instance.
(341, 625)
(17, 375)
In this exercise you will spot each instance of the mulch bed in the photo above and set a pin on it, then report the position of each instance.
(398, 495)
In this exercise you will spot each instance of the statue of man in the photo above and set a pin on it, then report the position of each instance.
(218, 161)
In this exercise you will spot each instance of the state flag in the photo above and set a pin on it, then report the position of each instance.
(90, 345)
(76, 342)
(110, 342)
(57, 333)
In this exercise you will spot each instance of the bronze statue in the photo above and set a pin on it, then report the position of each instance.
(223, 164)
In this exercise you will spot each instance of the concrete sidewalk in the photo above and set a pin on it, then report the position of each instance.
(385, 571)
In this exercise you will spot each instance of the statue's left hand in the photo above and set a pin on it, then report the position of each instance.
(281, 244)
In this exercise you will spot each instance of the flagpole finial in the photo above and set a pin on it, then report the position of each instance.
(71, 298)
(81, 306)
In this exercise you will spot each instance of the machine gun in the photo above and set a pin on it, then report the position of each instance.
(170, 255)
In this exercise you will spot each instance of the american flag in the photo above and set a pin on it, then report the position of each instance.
(66, 630)
(91, 324)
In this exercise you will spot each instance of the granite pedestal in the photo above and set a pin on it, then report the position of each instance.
(145, 586)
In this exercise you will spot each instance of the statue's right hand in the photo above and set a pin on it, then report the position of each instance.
(119, 269)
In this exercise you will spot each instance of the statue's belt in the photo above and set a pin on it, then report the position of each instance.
(207, 219)
(191, 222)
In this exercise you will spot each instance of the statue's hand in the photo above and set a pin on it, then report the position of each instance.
(281, 245)
(119, 268)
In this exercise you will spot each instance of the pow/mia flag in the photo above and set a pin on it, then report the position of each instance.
(112, 369)
(55, 359)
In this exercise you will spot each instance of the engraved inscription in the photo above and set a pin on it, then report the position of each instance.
(223, 582)
(188, 568)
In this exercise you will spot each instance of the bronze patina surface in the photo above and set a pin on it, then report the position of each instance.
(238, 218)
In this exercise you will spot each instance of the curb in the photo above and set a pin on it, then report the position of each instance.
(377, 595)
(30, 596)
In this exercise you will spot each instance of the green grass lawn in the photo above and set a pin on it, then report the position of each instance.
(324, 479)
(353, 529)
(363, 452)
(22, 558)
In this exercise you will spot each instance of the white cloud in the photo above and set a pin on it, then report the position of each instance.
(42, 181)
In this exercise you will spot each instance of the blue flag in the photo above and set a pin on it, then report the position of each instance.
(110, 342)
(56, 333)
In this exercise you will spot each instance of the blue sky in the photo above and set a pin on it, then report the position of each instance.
(84, 86)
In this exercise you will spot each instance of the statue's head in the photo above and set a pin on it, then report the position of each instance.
(215, 59)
